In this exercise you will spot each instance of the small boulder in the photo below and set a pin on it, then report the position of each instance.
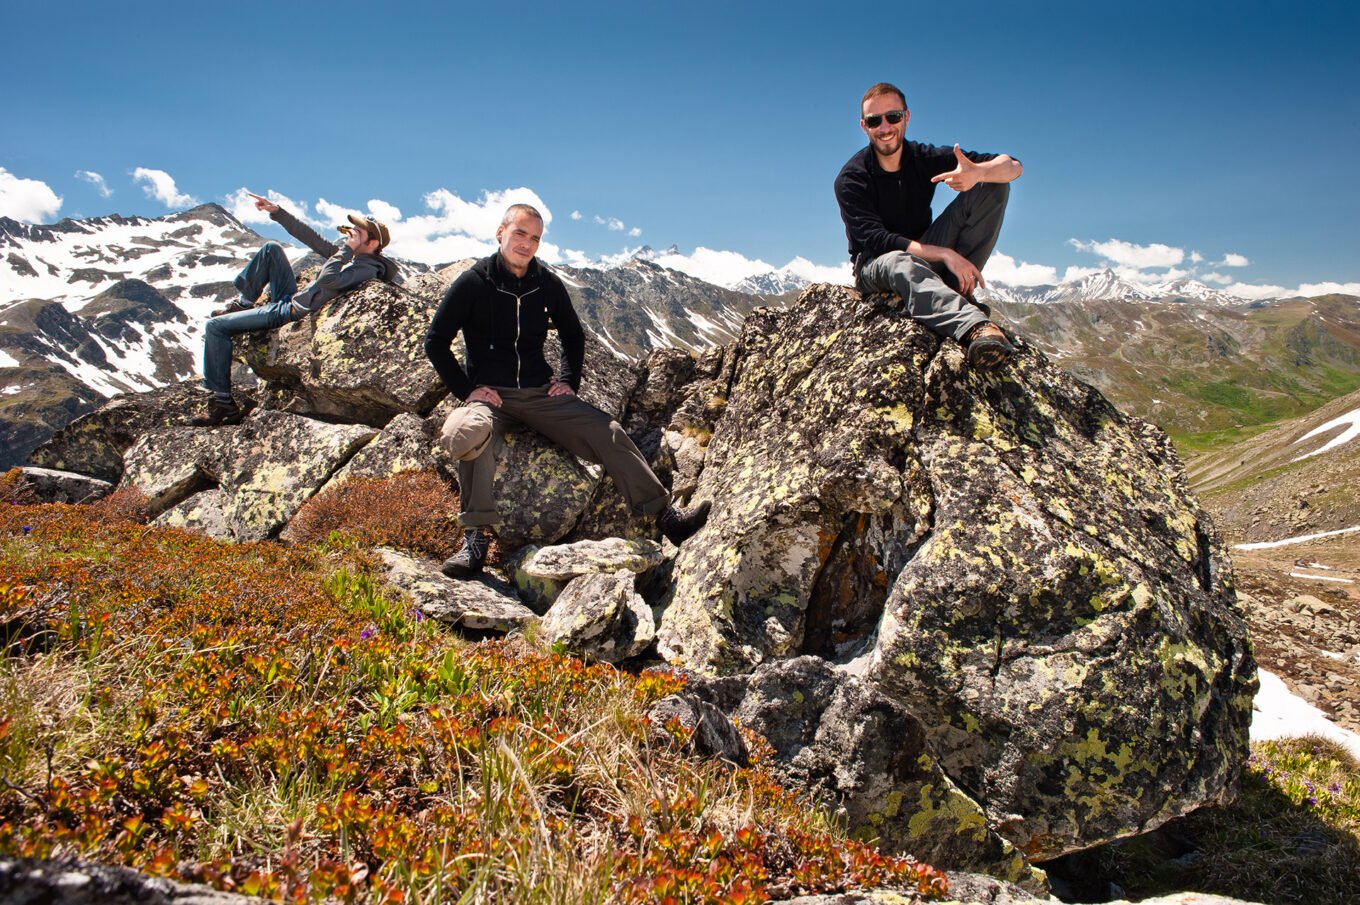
(601, 617)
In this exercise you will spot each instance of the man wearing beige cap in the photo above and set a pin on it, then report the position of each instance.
(352, 263)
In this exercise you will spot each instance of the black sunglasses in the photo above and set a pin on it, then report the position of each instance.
(892, 116)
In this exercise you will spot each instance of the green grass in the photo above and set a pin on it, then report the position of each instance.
(277, 722)
(1291, 838)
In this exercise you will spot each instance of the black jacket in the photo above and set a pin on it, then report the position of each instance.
(884, 211)
(504, 320)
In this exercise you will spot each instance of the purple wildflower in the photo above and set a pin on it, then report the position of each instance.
(420, 616)
(1334, 787)
(367, 633)
(1312, 799)
(27, 528)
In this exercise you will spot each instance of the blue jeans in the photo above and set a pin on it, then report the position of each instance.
(268, 267)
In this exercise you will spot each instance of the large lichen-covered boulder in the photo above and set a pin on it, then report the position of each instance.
(865, 757)
(360, 358)
(404, 444)
(204, 512)
(1022, 564)
(275, 461)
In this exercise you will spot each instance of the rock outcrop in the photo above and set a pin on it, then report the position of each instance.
(978, 614)
(1021, 565)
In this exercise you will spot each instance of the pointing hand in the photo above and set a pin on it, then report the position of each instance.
(964, 176)
(262, 203)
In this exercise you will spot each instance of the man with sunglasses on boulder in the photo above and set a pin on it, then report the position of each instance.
(935, 265)
(504, 306)
(355, 261)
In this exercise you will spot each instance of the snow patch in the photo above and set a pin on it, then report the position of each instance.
(1350, 419)
(7, 360)
(1267, 545)
(1279, 713)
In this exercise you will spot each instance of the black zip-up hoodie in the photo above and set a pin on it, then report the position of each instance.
(504, 320)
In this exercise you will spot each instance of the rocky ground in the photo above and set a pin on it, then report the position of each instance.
(1303, 603)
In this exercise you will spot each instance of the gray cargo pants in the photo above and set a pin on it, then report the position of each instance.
(970, 225)
(472, 435)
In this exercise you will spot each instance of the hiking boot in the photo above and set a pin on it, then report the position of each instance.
(234, 308)
(470, 558)
(220, 411)
(988, 346)
(679, 525)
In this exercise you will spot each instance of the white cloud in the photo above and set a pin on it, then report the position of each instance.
(1220, 278)
(1232, 260)
(723, 268)
(635, 232)
(1196, 257)
(727, 268)
(1329, 289)
(387, 213)
(821, 273)
(576, 215)
(1074, 272)
(1131, 255)
(95, 180)
(1253, 293)
(1005, 269)
(30, 200)
(159, 185)
(242, 207)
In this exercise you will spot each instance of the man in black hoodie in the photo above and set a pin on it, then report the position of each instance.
(354, 262)
(504, 305)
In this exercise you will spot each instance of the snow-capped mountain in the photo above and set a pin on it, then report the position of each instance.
(190, 257)
(92, 308)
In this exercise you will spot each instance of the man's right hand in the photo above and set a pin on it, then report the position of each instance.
(486, 395)
(969, 277)
(262, 203)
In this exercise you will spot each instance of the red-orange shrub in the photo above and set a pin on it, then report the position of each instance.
(412, 510)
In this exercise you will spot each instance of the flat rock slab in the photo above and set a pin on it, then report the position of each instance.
(49, 485)
(24, 881)
(563, 562)
(481, 604)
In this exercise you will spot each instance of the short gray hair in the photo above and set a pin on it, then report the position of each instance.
(516, 209)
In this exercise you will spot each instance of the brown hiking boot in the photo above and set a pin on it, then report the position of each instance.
(220, 411)
(988, 346)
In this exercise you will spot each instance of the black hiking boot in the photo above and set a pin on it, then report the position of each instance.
(470, 558)
(679, 525)
(220, 411)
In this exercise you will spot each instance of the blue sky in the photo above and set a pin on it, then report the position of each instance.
(1208, 139)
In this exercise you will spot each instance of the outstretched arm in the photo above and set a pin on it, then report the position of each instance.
(295, 227)
(968, 173)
